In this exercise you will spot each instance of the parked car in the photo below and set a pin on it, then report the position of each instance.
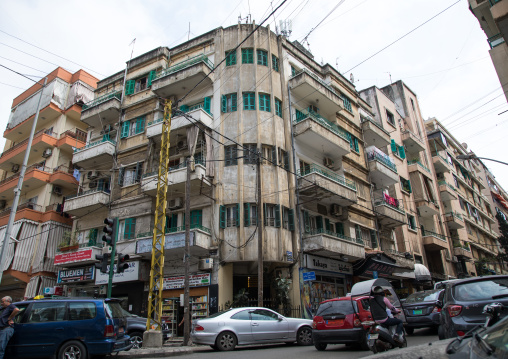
(338, 322)
(422, 309)
(250, 325)
(464, 301)
(68, 328)
(442, 284)
(136, 326)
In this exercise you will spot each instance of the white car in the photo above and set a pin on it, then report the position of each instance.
(252, 325)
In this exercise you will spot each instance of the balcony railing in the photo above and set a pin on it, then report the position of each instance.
(377, 155)
(177, 167)
(87, 192)
(192, 226)
(495, 40)
(90, 243)
(316, 77)
(339, 131)
(78, 135)
(369, 119)
(419, 164)
(101, 99)
(433, 234)
(442, 157)
(313, 232)
(393, 251)
(465, 245)
(313, 168)
(37, 166)
(443, 183)
(92, 144)
(390, 202)
(24, 142)
(184, 64)
(454, 214)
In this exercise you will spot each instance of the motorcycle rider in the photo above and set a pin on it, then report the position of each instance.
(379, 304)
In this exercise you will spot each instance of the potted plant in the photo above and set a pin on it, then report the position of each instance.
(69, 241)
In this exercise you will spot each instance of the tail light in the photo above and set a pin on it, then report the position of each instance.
(198, 328)
(454, 310)
(460, 333)
(436, 310)
(357, 323)
(109, 331)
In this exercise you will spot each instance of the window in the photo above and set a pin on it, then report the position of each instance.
(304, 168)
(347, 103)
(263, 315)
(171, 223)
(272, 215)
(455, 181)
(390, 118)
(405, 185)
(269, 155)
(278, 107)
(196, 218)
(264, 102)
(339, 228)
(230, 155)
(373, 239)
(81, 311)
(140, 84)
(283, 159)
(249, 101)
(247, 56)
(243, 315)
(133, 127)
(231, 58)
(358, 232)
(127, 228)
(398, 150)
(232, 215)
(250, 213)
(275, 63)
(353, 142)
(288, 218)
(130, 174)
(250, 154)
(262, 57)
(47, 312)
(412, 104)
(228, 103)
(294, 71)
(411, 222)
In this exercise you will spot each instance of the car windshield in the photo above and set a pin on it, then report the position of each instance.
(481, 290)
(114, 310)
(336, 307)
(424, 296)
(497, 338)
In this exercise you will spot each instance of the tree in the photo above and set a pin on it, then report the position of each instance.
(503, 239)
(281, 286)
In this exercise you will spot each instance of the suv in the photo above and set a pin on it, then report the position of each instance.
(338, 322)
(68, 327)
(464, 301)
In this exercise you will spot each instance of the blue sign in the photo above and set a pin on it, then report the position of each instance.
(289, 256)
(309, 276)
(374, 274)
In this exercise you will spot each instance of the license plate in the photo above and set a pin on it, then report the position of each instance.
(336, 322)
(373, 336)
(417, 312)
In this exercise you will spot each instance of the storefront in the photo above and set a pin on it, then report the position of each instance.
(78, 281)
(322, 279)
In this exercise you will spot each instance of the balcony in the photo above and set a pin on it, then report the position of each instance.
(69, 140)
(412, 142)
(104, 110)
(326, 186)
(416, 165)
(448, 192)
(43, 140)
(36, 176)
(176, 80)
(434, 241)
(390, 212)
(63, 177)
(374, 134)
(496, 40)
(383, 171)
(427, 208)
(96, 154)
(200, 116)
(174, 242)
(177, 177)
(333, 245)
(70, 256)
(88, 201)
(311, 129)
(454, 220)
(307, 85)
(441, 164)
(462, 249)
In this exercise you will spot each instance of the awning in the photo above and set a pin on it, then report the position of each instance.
(403, 273)
(375, 265)
(422, 274)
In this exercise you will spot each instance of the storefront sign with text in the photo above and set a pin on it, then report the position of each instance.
(72, 257)
(76, 274)
(197, 280)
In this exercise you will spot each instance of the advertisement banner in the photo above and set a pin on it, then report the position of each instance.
(327, 264)
(73, 257)
(76, 274)
(129, 275)
(197, 280)
(176, 240)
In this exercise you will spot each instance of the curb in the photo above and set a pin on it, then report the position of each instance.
(158, 352)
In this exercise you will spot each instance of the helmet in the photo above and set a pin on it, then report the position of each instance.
(378, 290)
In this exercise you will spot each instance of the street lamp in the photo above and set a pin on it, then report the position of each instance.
(474, 157)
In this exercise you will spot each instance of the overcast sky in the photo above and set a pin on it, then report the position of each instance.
(446, 61)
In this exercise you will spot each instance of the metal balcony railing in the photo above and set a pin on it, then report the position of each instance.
(444, 183)
(314, 232)
(390, 202)
(313, 168)
(495, 40)
(378, 155)
(192, 226)
(316, 77)
(107, 191)
(198, 161)
(308, 114)
(92, 144)
(454, 214)
(101, 99)
(458, 244)
(419, 164)
(433, 234)
(184, 64)
(369, 119)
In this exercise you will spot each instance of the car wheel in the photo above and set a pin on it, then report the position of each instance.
(226, 341)
(214, 347)
(441, 333)
(136, 339)
(72, 350)
(320, 346)
(304, 336)
(409, 330)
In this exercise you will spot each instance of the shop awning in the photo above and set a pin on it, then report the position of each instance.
(377, 263)
(403, 273)
(422, 274)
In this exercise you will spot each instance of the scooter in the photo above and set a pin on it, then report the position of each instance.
(380, 338)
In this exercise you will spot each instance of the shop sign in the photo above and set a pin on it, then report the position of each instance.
(309, 276)
(327, 264)
(197, 280)
(172, 241)
(130, 274)
(76, 274)
(72, 257)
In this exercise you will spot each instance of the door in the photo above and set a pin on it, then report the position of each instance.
(241, 323)
(266, 326)
(18, 343)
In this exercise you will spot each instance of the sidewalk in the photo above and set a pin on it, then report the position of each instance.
(170, 348)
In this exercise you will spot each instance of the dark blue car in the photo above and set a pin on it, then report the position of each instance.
(68, 328)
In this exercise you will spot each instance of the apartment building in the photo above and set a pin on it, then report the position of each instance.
(468, 214)
(41, 225)
(493, 19)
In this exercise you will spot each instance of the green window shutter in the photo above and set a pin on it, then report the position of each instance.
(286, 161)
(278, 107)
(196, 218)
(230, 57)
(130, 228)
(207, 101)
(249, 101)
(339, 228)
(224, 104)
(394, 146)
(275, 63)
(151, 76)
(237, 210)
(125, 129)
(373, 239)
(129, 87)
(184, 108)
(139, 169)
(277, 215)
(299, 115)
(233, 102)
(328, 227)
(246, 214)
(140, 124)
(319, 224)
(274, 155)
(222, 216)
(247, 56)
(293, 71)
(409, 186)
(357, 149)
(265, 219)
(291, 219)
(350, 139)
(402, 152)
(306, 221)
(92, 237)
(121, 172)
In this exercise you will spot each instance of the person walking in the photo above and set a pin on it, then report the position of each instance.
(378, 308)
(6, 323)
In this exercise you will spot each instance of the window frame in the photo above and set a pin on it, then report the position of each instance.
(230, 155)
(248, 55)
(262, 57)
(389, 116)
(275, 63)
(249, 101)
(264, 102)
(278, 107)
(230, 57)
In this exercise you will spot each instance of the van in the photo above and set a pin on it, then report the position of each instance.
(68, 328)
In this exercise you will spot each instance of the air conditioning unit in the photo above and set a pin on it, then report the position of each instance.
(328, 162)
(47, 152)
(336, 210)
(57, 190)
(454, 259)
(175, 203)
(205, 264)
(92, 184)
(92, 174)
(15, 168)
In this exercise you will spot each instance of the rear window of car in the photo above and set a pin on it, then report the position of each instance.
(114, 310)
(82, 310)
(481, 290)
(335, 307)
(425, 296)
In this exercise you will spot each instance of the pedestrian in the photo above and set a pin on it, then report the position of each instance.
(6, 323)
(379, 307)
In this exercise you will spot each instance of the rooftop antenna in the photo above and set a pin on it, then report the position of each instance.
(390, 77)
(337, 62)
(286, 27)
(248, 19)
(352, 78)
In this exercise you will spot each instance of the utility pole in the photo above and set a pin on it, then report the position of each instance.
(17, 190)
(260, 233)
(186, 258)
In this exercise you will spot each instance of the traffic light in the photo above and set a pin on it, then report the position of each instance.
(103, 262)
(109, 231)
(122, 262)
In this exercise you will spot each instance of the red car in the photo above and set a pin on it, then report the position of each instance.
(338, 322)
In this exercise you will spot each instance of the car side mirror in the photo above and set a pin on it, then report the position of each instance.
(280, 318)
(439, 304)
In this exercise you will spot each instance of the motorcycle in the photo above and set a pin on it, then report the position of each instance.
(380, 337)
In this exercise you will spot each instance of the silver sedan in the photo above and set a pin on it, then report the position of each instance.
(240, 326)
